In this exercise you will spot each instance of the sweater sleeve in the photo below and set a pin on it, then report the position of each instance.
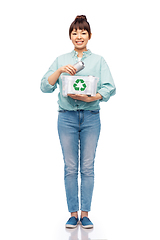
(108, 88)
(45, 86)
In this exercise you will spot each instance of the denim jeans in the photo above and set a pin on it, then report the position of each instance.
(79, 133)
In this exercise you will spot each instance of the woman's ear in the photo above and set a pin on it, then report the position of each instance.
(90, 36)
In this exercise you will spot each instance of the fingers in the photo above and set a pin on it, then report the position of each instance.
(70, 69)
(80, 97)
(72, 95)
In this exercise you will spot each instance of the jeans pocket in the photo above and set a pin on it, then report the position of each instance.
(94, 111)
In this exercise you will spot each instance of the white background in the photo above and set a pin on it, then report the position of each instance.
(126, 196)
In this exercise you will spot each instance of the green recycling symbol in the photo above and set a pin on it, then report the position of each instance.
(75, 85)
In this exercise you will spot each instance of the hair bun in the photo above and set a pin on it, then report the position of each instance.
(81, 18)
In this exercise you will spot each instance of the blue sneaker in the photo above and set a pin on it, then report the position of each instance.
(72, 222)
(86, 223)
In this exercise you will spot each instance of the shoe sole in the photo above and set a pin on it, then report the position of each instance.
(71, 226)
(86, 227)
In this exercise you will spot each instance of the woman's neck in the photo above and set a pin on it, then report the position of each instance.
(80, 52)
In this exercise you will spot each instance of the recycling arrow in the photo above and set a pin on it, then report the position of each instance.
(75, 85)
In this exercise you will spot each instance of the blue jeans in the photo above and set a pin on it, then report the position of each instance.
(79, 133)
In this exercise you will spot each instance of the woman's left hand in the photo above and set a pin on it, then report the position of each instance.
(85, 98)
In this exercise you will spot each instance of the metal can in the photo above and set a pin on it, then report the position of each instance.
(79, 66)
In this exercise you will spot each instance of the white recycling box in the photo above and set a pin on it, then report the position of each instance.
(79, 85)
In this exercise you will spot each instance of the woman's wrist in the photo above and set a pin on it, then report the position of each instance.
(60, 70)
(95, 98)
(99, 96)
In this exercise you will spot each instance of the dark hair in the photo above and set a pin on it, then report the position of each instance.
(81, 23)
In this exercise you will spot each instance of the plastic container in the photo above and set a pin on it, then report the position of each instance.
(79, 85)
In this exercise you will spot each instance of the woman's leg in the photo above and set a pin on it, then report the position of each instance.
(89, 135)
(69, 139)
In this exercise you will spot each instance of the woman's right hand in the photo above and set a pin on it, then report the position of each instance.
(68, 69)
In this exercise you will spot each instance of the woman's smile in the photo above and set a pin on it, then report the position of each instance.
(79, 42)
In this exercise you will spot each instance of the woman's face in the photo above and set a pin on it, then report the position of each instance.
(80, 38)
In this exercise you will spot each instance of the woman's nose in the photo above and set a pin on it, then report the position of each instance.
(79, 35)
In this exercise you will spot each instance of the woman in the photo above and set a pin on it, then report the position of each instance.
(78, 119)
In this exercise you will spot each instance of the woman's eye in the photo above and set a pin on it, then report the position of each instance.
(84, 33)
(74, 33)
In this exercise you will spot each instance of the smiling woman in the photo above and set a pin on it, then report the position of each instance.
(79, 119)
(80, 39)
(80, 33)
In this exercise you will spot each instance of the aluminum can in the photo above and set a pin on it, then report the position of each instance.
(79, 66)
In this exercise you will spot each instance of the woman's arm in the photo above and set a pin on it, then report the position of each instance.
(52, 79)
(108, 88)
